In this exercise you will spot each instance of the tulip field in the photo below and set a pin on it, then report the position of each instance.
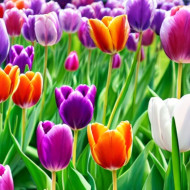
(94, 95)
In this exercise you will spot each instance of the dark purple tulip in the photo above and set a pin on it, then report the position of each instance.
(63, 3)
(36, 6)
(117, 12)
(28, 12)
(158, 19)
(72, 61)
(4, 43)
(167, 6)
(132, 41)
(6, 180)
(76, 107)
(116, 63)
(28, 29)
(147, 37)
(50, 6)
(54, 145)
(84, 35)
(104, 12)
(21, 57)
(97, 6)
(140, 13)
(87, 11)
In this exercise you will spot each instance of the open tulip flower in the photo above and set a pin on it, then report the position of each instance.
(110, 34)
(160, 115)
(29, 90)
(9, 80)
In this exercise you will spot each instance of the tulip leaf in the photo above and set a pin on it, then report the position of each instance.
(176, 157)
(169, 181)
(185, 185)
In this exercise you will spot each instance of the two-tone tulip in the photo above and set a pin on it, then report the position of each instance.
(72, 61)
(87, 11)
(9, 80)
(29, 90)
(50, 6)
(116, 63)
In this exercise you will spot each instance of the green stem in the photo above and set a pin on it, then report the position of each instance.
(88, 66)
(107, 89)
(126, 84)
(12, 40)
(53, 180)
(69, 44)
(8, 112)
(45, 82)
(114, 178)
(1, 116)
(23, 127)
(75, 147)
(179, 77)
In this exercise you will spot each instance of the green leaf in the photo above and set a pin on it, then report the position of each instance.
(169, 181)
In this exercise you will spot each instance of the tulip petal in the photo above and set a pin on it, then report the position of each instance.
(119, 30)
(106, 20)
(101, 35)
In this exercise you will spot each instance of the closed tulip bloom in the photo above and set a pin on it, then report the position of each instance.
(72, 61)
(14, 19)
(87, 11)
(2, 9)
(76, 107)
(173, 35)
(36, 6)
(6, 179)
(114, 4)
(47, 29)
(132, 41)
(79, 3)
(147, 37)
(28, 29)
(9, 80)
(21, 57)
(70, 5)
(117, 12)
(158, 20)
(50, 6)
(160, 115)
(111, 149)
(4, 43)
(116, 63)
(140, 13)
(104, 12)
(70, 20)
(97, 6)
(110, 34)
(54, 145)
(84, 34)
(29, 90)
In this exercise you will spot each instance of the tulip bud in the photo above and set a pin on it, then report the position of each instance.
(79, 3)
(87, 11)
(116, 63)
(29, 90)
(132, 41)
(36, 5)
(70, 20)
(147, 37)
(4, 43)
(97, 6)
(6, 179)
(76, 107)
(47, 29)
(21, 57)
(2, 9)
(104, 12)
(9, 80)
(14, 19)
(54, 145)
(117, 12)
(114, 4)
(50, 6)
(72, 62)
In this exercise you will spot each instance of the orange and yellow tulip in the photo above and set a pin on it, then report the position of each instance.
(9, 80)
(111, 149)
(29, 90)
(110, 34)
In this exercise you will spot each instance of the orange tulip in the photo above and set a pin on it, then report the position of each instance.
(9, 80)
(110, 149)
(19, 4)
(110, 34)
(29, 90)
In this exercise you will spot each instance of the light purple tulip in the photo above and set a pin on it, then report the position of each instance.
(104, 12)
(50, 6)
(97, 6)
(114, 4)
(116, 63)
(54, 145)
(72, 61)
(117, 12)
(87, 11)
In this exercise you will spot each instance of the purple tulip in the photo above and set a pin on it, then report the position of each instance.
(132, 41)
(4, 43)
(147, 37)
(140, 13)
(79, 3)
(72, 61)
(87, 11)
(173, 35)
(116, 63)
(70, 20)
(36, 6)
(158, 20)
(50, 6)
(54, 145)
(47, 29)
(6, 180)
(114, 4)
(63, 3)
(84, 35)
(97, 6)
(70, 5)
(28, 12)
(104, 12)
(28, 29)
(117, 12)
(21, 57)
(76, 107)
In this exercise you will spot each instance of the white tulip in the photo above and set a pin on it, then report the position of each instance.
(160, 115)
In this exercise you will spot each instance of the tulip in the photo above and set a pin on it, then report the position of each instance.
(9, 80)
(147, 37)
(6, 179)
(104, 12)
(111, 149)
(64, 3)
(19, 4)
(116, 61)
(28, 12)
(84, 35)
(69, 5)
(117, 12)
(4, 44)
(114, 4)
(79, 3)
(54, 145)
(97, 6)
(50, 6)
(160, 115)
(72, 62)
(21, 57)
(28, 29)
(36, 5)
(2, 9)
(140, 13)
(132, 41)
(87, 11)
(29, 90)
